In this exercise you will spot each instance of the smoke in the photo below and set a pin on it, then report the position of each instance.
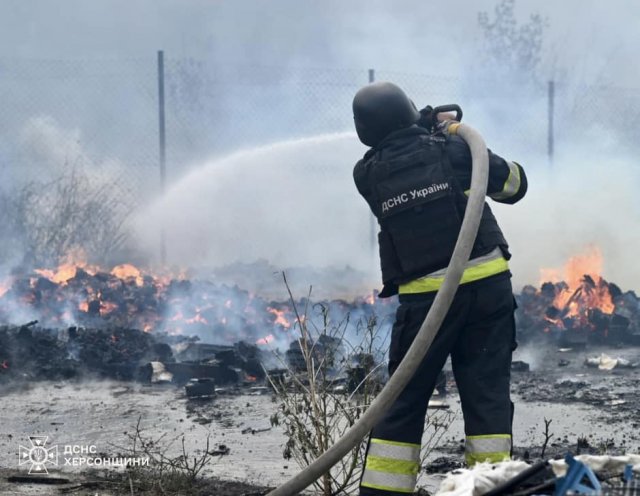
(62, 201)
(580, 201)
(418, 35)
(49, 149)
(293, 203)
(49, 146)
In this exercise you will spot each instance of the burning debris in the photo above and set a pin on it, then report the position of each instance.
(126, 324)
(78, 294)
(583, 308)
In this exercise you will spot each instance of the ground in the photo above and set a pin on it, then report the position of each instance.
(590, 410)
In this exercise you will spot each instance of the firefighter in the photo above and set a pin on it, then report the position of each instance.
(416, 183)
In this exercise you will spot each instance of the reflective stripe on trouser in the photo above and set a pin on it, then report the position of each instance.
(391, 466)
(487, 448)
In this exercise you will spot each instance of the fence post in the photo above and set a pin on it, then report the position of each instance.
(550, 111)
(163, 148)
(372, 78)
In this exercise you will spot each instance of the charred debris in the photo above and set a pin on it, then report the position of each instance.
(32, 353)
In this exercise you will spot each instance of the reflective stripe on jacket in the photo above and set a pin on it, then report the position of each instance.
(479, 268)
(512, 185)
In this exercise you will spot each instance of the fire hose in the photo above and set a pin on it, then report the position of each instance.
(429, 328)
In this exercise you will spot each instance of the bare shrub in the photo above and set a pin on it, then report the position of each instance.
(330, 392)
(165, 473)
(47, 219)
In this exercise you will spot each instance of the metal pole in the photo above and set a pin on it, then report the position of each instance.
(163, 148)
(550, 137)
(372, 78)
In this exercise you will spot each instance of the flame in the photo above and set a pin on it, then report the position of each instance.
(585, 289)
(280, 317)
(589, 263)
(176, 317)
(68, 268)
(4, 287)
(265, 340)
(61, 275)
(587, 296)
(126, 271)
(107, 307)
(370, 299)
(550, 275)
(198, 318)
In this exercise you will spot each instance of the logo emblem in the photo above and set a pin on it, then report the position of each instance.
(38, 455)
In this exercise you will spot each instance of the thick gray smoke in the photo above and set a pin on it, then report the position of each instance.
(582, 202)
(596, 39)
(293, 203)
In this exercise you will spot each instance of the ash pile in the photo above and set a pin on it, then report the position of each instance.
(31, 353)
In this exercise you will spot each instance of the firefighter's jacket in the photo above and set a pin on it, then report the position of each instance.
(416, 184)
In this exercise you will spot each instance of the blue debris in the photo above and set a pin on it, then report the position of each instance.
(575, 481)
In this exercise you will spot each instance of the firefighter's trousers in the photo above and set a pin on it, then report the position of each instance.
(479, 334)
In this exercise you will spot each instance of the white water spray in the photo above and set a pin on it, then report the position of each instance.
(293, 203)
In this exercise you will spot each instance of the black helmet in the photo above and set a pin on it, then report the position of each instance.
(380, 108)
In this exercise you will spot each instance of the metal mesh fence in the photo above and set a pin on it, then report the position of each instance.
(99, 115)
(105, 113)
(102, 116)
(214, 110)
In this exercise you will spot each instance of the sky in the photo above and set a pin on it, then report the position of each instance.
(590, 39)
